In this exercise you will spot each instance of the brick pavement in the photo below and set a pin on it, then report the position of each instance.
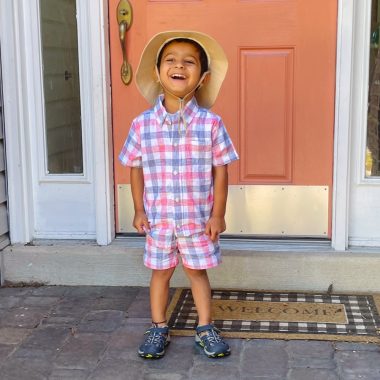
(73, 333)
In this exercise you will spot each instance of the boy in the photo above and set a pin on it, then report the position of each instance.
(178, 152)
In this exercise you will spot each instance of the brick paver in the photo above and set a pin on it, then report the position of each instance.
(92, 333)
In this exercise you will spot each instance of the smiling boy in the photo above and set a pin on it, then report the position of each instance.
(178, 152)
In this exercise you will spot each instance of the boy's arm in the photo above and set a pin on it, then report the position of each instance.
(140, 221)
(216, 224)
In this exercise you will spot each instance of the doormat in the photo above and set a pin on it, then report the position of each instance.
(273, 315)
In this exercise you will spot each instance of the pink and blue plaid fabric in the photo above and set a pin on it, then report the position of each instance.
(177, 160)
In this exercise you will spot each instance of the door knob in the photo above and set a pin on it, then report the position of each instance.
(124, 20)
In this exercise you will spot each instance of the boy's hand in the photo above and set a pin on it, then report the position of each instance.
(215, 226)
(140, 222)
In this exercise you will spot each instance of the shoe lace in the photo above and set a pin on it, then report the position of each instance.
(154, 338)
(212, 336)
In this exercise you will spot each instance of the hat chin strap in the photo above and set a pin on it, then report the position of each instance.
(182, 99)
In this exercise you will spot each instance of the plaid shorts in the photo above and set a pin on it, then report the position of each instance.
(197, 251)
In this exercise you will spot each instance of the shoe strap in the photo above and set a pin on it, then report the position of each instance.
(159, 330)
(210, 326)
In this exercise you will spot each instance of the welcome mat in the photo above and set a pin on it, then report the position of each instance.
(272, 315)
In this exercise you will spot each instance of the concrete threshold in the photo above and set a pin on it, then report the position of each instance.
(261, 265)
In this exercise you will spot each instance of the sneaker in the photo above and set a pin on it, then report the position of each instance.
(157, 338)
(213, 345)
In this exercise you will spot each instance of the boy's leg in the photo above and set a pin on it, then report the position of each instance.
(159, 294)
(207, 336)
(201, 290)
(157, 336)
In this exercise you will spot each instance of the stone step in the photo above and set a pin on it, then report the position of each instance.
(270, 265)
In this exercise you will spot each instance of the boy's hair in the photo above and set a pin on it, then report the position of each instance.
(202, 54)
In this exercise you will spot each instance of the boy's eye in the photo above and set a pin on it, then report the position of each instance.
(190, 62)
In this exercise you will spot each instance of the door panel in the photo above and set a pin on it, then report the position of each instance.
(265, 123)
(277, 100)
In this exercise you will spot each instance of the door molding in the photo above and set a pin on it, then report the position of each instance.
(342, 135)
(20, 196)
(101, 116)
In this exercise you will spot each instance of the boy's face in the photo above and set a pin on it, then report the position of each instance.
(180, 68)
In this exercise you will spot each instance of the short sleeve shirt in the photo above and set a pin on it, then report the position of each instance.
(177, 153)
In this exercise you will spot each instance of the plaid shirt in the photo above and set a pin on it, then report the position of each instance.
(177, 160)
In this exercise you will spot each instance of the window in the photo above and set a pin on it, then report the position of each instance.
(63, 130)
(372, 162)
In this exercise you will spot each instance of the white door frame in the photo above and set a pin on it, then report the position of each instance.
(342, 130)
(95, 65)
(15, 115)
(24, 118)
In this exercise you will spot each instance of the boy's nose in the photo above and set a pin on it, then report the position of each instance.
(179, 64)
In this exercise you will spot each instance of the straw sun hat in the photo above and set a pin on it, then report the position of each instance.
(206, 95)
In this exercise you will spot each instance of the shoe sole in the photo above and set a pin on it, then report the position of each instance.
(150, 356)
(155, 356)
(210, 354)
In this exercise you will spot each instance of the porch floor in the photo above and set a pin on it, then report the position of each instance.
(82, 332)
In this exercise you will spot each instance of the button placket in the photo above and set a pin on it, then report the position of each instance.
(176, 177)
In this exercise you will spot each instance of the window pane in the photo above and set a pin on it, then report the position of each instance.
(372, 166)
(61, 86)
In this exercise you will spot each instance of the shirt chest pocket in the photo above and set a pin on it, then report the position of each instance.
(199, 152)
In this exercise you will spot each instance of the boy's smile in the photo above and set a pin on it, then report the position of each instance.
(180, 70)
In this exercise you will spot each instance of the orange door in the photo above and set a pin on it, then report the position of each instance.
(277, 102)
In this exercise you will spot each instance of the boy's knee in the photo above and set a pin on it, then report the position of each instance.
(195, 273)
(162, 273)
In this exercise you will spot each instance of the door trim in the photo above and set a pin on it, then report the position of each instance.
(15, 122)
(102, 119)
(342, 133)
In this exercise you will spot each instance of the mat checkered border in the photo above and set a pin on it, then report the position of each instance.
(362, 314)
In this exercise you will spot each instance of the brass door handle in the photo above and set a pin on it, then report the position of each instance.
(124, 19)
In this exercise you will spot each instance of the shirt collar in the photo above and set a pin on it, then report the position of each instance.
(189, 111)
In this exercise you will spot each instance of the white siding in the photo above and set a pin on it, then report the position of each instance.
(4, 225)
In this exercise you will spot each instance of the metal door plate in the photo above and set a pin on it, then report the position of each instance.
(261, 210)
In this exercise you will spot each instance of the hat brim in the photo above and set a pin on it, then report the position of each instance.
(206, 95)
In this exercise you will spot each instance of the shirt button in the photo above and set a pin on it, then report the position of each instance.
(175, 172)
(177, 200)
(178, 226)
(175, 144)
